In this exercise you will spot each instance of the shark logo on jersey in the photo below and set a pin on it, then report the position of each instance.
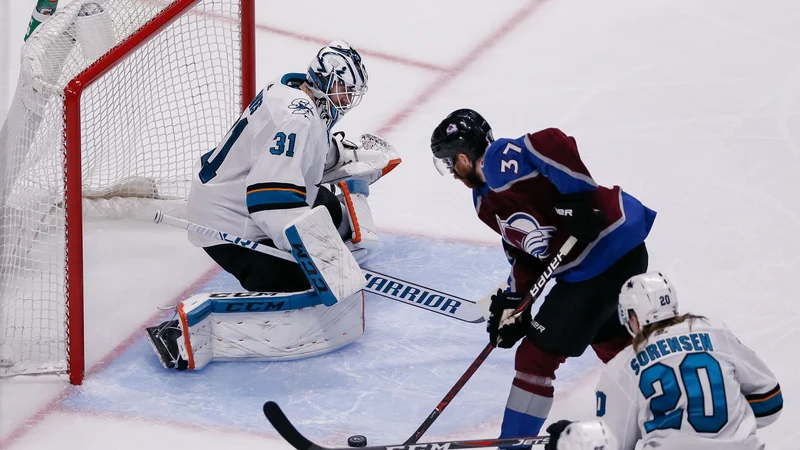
(523, 231)
(302, 106)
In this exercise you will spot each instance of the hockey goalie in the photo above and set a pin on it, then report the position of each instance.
(281, 178)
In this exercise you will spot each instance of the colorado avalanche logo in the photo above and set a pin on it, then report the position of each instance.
(452, 128)
(524, 232)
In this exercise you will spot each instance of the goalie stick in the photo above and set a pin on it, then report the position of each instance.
(285, 428)
(529, 299)
(377, 283)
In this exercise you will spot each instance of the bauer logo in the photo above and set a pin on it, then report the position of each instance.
(548, 273)
(411, 294)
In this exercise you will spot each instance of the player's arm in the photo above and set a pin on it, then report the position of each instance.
(276, 185)
(617, 406)
(759, 385)
(555, 155)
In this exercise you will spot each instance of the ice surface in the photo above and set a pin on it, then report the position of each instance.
(690, 106)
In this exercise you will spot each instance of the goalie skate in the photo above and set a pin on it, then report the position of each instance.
(164, 340)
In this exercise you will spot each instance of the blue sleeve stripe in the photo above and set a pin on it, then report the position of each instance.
(261, 199)
(566, 180)
(766, 404)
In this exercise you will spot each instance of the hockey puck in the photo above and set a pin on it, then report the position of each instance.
(357, 441)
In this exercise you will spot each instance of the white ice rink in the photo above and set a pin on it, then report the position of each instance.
(692, 106)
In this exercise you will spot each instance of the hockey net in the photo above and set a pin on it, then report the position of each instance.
(115, 102)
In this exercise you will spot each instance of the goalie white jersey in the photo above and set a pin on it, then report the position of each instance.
(692, 387)
(266, 171)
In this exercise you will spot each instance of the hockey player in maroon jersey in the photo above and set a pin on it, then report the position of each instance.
(535, 192)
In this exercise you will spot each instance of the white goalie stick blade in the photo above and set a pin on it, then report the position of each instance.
(285, 428)
(422, 297)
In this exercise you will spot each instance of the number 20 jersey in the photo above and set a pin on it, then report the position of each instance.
(265, 172)
(692, 386)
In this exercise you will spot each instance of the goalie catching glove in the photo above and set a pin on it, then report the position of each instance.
(503, 327)
(352, 167)
(368, 160)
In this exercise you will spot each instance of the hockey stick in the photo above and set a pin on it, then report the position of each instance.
(530, 298)
(377, 283)
(285, 428)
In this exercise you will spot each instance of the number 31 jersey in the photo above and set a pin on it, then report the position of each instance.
(266, 171)
(692, 386)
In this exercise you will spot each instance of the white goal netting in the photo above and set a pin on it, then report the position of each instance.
(143, 123)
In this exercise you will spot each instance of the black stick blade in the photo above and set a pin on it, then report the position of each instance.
(285, 428)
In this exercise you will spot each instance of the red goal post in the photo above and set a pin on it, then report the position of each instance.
(115, 102)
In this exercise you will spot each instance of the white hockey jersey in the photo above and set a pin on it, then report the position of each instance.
(266, 171)
(690, 387)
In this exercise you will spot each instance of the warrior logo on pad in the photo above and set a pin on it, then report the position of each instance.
(524, 232)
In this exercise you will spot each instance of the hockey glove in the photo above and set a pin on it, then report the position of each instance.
(555, 429)
(504, 330)
(340, 146)
(578, 217)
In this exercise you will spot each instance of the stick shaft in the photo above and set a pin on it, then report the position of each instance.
(534, 293)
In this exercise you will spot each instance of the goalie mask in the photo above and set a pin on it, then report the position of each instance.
(463, 131)
(651, 296)
(338, 80)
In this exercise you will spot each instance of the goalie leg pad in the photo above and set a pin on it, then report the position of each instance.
(363, 240)
(261, 326)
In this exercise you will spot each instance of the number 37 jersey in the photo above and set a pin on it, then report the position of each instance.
(692, 386)
(265, 172)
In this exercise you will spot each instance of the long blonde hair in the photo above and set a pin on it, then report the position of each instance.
(644, 334)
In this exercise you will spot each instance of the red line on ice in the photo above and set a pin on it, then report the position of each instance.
(110, 357)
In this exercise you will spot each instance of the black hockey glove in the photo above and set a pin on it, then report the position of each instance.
(555, 429)
(505, 331)
(578, 217)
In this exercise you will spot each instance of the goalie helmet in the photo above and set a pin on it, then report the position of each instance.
(587, 435)
(651, 296)
(338, 79)
(462, 131)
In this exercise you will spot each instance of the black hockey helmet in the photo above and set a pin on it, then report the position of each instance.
(462, 131)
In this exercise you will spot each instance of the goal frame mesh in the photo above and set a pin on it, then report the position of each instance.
(73, 210)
